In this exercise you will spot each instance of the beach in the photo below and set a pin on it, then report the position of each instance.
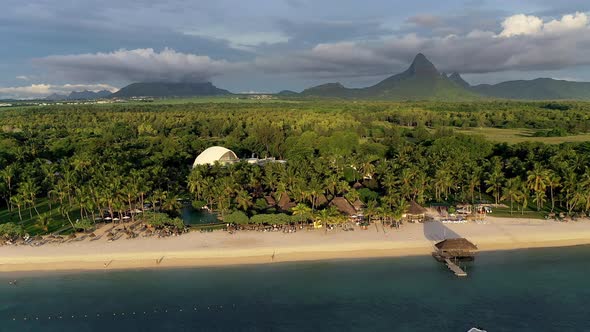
(250, 247)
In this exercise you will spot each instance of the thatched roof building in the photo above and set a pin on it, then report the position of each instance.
(455, 249)
(456, 244)
(285, 202)
(415, 213)
(270, 201)
(358, 205)
(321, 200)
(416, 209)
(343, 205)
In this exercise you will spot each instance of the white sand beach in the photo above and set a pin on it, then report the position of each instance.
(249, 247)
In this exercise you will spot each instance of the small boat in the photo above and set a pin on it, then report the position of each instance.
(13, 282)
(475, 329)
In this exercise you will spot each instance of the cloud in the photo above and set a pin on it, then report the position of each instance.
(524, 43)
(521, 25)
(425, 20)
(22, 77)
(245, 41)
(138, 65)
(44, 90)
(531, 25)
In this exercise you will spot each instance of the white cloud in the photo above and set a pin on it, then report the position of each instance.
(526, 43)
(44, 90)
(22, 77)
(521, 25)
(567, 23)
(138, 65)
(531, 25)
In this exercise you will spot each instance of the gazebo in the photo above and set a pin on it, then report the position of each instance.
(459, 248)
(415, 213)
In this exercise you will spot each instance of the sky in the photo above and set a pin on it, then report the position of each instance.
(50, 46)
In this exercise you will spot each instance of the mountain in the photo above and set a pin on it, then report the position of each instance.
(160, 89)
(287, 93)
(56, 97)
(81, 95)
(421, 81)
(538, 89)
(87, 95)
(455, 77)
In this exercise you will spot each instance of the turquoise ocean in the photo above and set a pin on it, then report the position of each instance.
(522, 290)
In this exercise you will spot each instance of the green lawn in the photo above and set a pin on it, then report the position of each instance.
(512, 136)
(31, 224)
(516, 213)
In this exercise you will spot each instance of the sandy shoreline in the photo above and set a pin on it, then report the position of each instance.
(220, 248)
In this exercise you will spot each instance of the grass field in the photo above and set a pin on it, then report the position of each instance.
(513, 136)
(31, 225)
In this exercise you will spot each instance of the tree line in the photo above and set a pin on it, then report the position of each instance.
(86, 161)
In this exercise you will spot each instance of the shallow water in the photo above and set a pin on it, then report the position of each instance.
(525, 290)
(192, 216)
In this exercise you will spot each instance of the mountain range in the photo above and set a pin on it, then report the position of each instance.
(421, 81)
(82, 95)
(160, 89)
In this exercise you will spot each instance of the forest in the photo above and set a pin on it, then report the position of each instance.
(64, 166)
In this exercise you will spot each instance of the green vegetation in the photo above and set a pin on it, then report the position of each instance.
(67, 165)
(538, 89)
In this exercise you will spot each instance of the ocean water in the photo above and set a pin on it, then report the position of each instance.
(524, 290)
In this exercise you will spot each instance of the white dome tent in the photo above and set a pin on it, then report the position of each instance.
(216, 154)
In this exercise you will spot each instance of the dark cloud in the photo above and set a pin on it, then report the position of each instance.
(551, 45)
(314, 32)
(139, 65)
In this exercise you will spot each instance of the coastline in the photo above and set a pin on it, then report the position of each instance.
(221, 249)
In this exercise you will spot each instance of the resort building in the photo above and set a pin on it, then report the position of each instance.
(415, 213)
(226, 156)
(216, 154)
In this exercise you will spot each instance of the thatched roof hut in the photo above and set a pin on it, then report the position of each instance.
(456, 244)
(357, 185)
(358, 205)
(343, 205)
(270, 201)
(321, 200)
(285, 202)
(455, 249)
(416, 209)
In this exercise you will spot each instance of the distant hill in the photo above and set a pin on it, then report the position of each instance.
(538, 89)
(86, 95)
(160, 89)
(287, 93)
(421, 81)
(56, 96)
(82, 95)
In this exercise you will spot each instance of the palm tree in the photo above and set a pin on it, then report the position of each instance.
(44, 220)
(554, 181)
(314, 190)
(18, 200)
(302, 212)
(8, 174)
(494, 183)
(129, 191)
(157, 197)
(512, 191)
(537, 181)
(171, 203)
(243, 200)
(29, 191)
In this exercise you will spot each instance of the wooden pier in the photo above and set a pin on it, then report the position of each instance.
(455, 268)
